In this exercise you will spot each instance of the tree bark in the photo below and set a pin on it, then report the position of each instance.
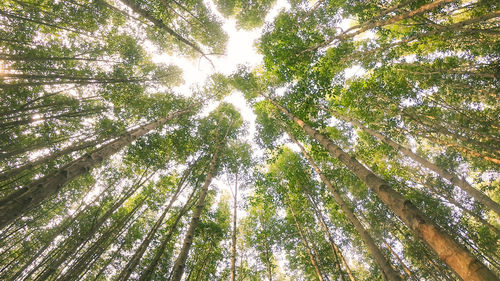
(454, 179)
(29, 196)
(233, 237)
(136, 258)
(453, 254)
(306, 244)
(180, 263)
(335, 249)
(382, 262)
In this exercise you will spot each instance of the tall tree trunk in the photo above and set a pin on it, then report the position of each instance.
(453, 254)
(30, 165)
(384, 265)
(29, 196)
(160, 24)
(99, 246)
(233, 237)
(306, 244)
(71, 247)
(136, 258)
(109, 260)
(335, 249)
(180, 263)
(373, 24)
(146, 274)
(59, 229)
(464, 185)
(405, 268)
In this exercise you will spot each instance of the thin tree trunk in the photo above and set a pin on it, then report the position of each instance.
(180, 263)
(369, 25)
(233, 250)
(405, 268)
(464, 185)
(59, 229)
(384, 265)
(110, 259)
(136, 258)
(160, 24)
(453, 254)
(29, 196)
(69, 248)
(306, 244)
(97, 248)
(452, 27)
(335, 249)
(30, 165)
(146, 274)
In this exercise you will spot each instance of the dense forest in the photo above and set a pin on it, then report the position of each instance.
(373, 154)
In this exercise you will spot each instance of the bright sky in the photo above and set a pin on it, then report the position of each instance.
(240, 49)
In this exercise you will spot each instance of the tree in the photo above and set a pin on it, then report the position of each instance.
(220, 127)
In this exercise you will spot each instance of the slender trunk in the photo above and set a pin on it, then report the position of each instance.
(452, 27)
(453, 254)
(233, 250)
(30, 165)
(199, 273)
(97, 248)
(29, 196)
(29, 58)
(160, 24)
(72, 246)
(384, 265)
(62, 116)
(21, 18)
(306, 244)
(369, 25)
(405, 268)
(334, 247)
(136, 258)
(180, 263)
(59, 229)
(110, 259)
(146, 274)
(448, 199)
(269, 271)
(456, 180)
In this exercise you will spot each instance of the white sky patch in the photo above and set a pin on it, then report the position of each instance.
(240, 49)
(346, 23)
(354, 71)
